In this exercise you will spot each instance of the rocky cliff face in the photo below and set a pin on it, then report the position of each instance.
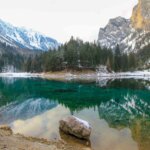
(141, 15)
(130, 34)
(114, 33)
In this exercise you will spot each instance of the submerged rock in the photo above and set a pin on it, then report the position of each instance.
(75, 126)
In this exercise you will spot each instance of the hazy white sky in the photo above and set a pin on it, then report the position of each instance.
(60, 19)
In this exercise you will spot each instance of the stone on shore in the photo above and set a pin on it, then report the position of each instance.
(5, 130)
(75, 126)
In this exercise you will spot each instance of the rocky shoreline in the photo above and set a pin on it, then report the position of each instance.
(11, 141)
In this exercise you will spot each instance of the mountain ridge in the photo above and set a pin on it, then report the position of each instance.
(21, 37)
(130, 34)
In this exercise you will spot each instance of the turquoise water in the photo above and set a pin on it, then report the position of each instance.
(118, 110)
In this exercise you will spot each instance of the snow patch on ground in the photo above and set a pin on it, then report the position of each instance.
(19, 75)
(69, 76)
(144, 73)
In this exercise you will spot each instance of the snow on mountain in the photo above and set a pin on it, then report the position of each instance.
(25, 38)
(120, 31)
(114, 33)
(130, 34)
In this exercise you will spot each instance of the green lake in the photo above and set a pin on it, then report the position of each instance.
(118, 110)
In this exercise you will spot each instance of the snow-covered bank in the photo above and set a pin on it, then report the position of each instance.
(19, 75)
(50, 75)
(79, 75)
(125, 74)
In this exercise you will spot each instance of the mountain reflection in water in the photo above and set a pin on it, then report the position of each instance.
(118, 110)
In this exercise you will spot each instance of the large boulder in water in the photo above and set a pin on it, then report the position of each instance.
(75, 126)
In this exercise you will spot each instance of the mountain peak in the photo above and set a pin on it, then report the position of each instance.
(114, 32)
(141, 15)
(118, 20)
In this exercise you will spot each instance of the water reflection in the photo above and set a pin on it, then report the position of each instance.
(74, 141)
(117, 109)
(8, 80)
(44, 125)
(104, 137)
(24, 110)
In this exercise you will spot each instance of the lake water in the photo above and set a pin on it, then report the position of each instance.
(118, 110)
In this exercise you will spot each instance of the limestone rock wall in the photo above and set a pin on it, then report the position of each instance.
(141, 15)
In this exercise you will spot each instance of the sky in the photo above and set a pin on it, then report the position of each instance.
(61, 19)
